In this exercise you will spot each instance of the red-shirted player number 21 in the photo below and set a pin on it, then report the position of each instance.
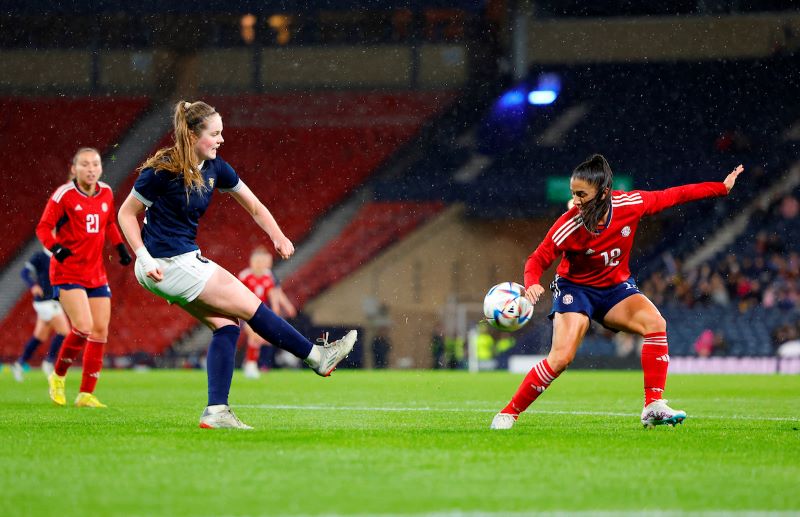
(92, 223)
(611, 257)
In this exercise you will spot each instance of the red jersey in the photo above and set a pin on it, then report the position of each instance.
(261, 285)
(81, 223)
(601, 259)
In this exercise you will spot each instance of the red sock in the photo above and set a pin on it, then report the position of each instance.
(655, 363)
(70, 350)
(252, 353)
(92, 364)
(534, 384)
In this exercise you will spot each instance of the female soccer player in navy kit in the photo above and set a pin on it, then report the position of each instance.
(49, 314)
(593, 281)
(74, 226)
(175, 188)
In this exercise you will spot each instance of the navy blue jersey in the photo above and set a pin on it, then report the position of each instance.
(170, 225)
(37, 271)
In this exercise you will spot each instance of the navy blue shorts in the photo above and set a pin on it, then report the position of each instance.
(592, 301)
(92, 292)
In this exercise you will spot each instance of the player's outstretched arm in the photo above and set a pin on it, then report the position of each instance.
(129, 224)
(245, 197)
(730, 180)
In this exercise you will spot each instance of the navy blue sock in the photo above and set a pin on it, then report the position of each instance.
(277, 331)
(30, 348)
(55, 346)
(219, 363)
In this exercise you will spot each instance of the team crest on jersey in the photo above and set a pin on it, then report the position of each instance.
(567, 299)
(104, 206)
(211, 182)
(626, 231)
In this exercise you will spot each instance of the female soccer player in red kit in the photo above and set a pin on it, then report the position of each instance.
(74, 226)
(260, 279)
(593, 281)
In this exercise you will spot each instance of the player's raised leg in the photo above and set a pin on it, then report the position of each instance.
(568, 331)
(225, 294)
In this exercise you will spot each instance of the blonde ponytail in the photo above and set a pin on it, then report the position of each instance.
(180, 159)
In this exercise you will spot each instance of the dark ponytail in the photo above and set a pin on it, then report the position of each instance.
(596, 172)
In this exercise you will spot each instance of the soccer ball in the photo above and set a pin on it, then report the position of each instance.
(506, 307)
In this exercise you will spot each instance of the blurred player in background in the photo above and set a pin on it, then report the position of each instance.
(175, 186)
(49, 314)
(593, 281)
(260, 279)
(74, 226)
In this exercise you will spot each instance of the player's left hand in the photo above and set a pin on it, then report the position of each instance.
(283, 246)
(124, 257)
(731, 178)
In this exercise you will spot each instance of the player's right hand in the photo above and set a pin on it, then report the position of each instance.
(283, 246)
(149, 264)
(37, 291)
(60, 253)
(533, 293)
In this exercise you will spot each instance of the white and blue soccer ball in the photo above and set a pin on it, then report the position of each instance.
(506, 307)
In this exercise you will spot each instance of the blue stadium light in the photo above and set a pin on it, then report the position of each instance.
(542, 97)
(511, 99)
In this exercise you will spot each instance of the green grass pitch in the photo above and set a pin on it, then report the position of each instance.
(392, 442)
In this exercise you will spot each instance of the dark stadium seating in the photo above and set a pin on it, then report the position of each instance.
(662, 124)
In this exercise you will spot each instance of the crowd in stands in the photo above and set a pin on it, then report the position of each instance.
(761, 272)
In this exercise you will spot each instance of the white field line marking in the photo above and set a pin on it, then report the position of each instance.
(566, 513)
(473, 410)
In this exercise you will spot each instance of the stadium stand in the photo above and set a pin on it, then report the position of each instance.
(376, 226)
(41, 134)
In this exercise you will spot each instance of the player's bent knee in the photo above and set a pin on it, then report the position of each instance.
(655, 324)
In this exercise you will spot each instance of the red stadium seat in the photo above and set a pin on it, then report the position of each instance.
(39, 136)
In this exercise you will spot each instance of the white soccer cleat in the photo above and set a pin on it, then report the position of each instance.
(659, 413)
(250, 369)
(221, 417)
(331, 354)
(18, 371)
(503, 421)
(47, 368)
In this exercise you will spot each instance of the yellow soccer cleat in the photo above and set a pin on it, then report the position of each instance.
(88, 400)
(56, 383)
